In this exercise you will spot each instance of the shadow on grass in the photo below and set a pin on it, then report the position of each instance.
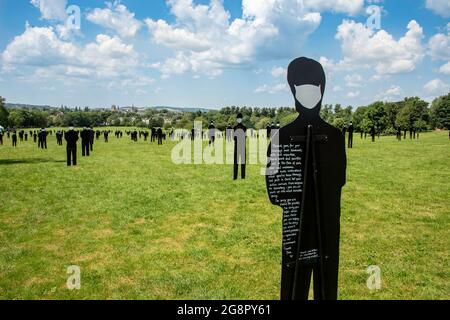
(28, 161)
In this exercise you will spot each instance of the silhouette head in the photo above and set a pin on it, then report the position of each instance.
(239, 118)
(306, 79)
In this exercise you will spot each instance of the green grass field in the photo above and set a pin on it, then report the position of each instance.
(141, 227)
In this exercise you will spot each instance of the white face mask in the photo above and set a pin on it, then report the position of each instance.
(308, 95)
(239, 120)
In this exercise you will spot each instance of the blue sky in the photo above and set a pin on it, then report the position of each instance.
(192, 53)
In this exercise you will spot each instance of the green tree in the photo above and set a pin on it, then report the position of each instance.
(440, 112)
(358, 116)
(376, 114)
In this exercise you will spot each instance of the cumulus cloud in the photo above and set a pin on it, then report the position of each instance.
(278, 72)
(272, 89)
(363, 47)
(393, 93)
(439, 49)
(439, 46)
(205, 39)
(350, 7)
(445, 69)
(38, 47)
(436, 87)
(41, 48)
(115, 17)
(353, 81)
(439, 7)
(353, 94)
(51, 9)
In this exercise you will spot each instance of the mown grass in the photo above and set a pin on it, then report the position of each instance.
(141, 227)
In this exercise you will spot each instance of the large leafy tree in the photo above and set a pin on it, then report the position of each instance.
(358, 116)
(440, 112)
(413, 114)
(377, 116)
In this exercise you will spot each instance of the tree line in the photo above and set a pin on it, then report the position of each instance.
(411, 113)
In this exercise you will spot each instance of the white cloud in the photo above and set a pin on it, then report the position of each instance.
(440, 7)
(393, 93)
(439, 49)
(40, 48)
(350, 7)
(109, 55)
(272, 89)
(115, 17)
(51, 9)
(337, 88)
(205, 39)
(353, 81)
(353, 94)
(439, 46)
(436, 87)
(445, 69)
(278, 72)
(363, 47)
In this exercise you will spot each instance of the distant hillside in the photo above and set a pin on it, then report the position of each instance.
(139, 109)
(26, 106)
(180, 109)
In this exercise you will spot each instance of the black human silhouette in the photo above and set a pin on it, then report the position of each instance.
(268, 130)
(42, 139)
(1, 137)
(133, 136)
(85, 141)
(294, 186)
(71, 137)
(91, 138)
(240, 147)
(350, 130)
(14, 138)
(106, 136)
(211, 133)
(59, 136)
(373, 133)
(159, 135)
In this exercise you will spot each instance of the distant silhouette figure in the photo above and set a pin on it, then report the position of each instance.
(240, 147)
(211, 133)
(159, 134)
(106, 136)
(373, 133)
(85, 139)
(71, 137)
(91, 138)
(14, 138)
(350, 129)
(153, 135)
(42, 139)
(59, 137)
(268, 130)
